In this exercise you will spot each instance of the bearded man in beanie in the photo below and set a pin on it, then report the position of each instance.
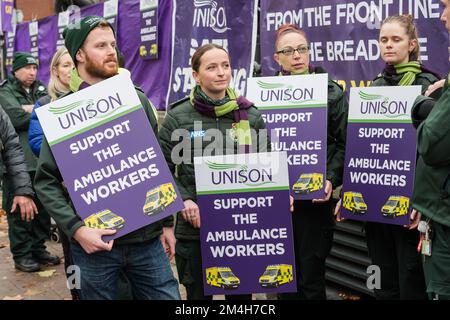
(140, 255)
(17, 97)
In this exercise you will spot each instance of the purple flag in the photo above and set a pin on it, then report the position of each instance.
(227, 23)
(343, 35)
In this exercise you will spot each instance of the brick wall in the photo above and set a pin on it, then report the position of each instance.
(35, 9)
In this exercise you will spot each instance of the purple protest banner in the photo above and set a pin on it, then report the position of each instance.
(149, 29)
(343, 35)
(95, 10)
(380, 155)
(110, 12)
(294, 109)
(10, 41)
(7, 10)
(246, 229)
(22, 41)
(47, 40)
(151, 75)
(121, 179)
(33, 31)
(50, 37)
(231, 24)
(63, 21)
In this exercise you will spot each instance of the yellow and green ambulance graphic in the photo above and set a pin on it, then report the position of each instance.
(276, 275)
(354, 202)
(308, 182)
(159, 198)
(395, 206)
(222, 277)
(105, 220)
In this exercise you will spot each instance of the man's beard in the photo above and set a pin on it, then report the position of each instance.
(99, 70)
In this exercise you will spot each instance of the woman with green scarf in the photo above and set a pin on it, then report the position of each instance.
(394, 248)
(391, 247)
(313, 221)
(215, 118)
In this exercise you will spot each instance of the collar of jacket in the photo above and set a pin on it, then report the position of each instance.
(18, 86)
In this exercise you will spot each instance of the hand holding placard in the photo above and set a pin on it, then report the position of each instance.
(191, 213)
(91, 239)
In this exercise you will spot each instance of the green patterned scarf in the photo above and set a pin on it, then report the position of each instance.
(288, 73)
(217, 108)
(409, 71)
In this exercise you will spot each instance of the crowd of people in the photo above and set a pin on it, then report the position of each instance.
(137, 265)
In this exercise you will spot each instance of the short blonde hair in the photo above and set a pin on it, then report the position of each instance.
(55, 87)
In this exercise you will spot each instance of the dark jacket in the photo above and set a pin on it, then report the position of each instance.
(12, 97)
(423, 79)
(35, 132)
(12, 158)
(182, 115)
(431, 194)
(54, 196)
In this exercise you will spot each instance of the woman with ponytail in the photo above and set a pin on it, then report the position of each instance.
(313, 221)
(60, 69)
(400, 49)
(393, 248)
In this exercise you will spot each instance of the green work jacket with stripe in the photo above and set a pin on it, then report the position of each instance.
(12, 97)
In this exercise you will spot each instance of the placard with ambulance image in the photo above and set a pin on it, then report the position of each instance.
(105, 219)
(276, 275)
(354, 202)
(222, 277)
(308, 182)
(395, 206)
(380, 155)
(159, 198)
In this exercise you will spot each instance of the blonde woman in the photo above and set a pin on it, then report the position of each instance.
(60, 69)
(58, 85)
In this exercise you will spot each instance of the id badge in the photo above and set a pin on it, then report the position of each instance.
(426, 247)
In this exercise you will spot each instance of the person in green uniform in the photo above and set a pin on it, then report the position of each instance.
(212, 109)
(141, 254)
(17, 97)
(392, 247)
(313, 222)
(431, 196)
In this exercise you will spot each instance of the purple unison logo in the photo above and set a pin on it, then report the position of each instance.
(381, 105)
(239, 174)
(78, 112)
(284, 92)
(208, 14)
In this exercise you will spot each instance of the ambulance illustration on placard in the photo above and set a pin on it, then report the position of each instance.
(308, 182)
(354, 202)
(159, 198)
(276, 275)
(105, 220)
(222, 277)
(395, 206)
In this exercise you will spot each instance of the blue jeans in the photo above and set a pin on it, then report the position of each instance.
(145, 265)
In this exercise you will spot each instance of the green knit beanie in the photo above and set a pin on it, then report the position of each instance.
(22, 59)
(76, 33)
